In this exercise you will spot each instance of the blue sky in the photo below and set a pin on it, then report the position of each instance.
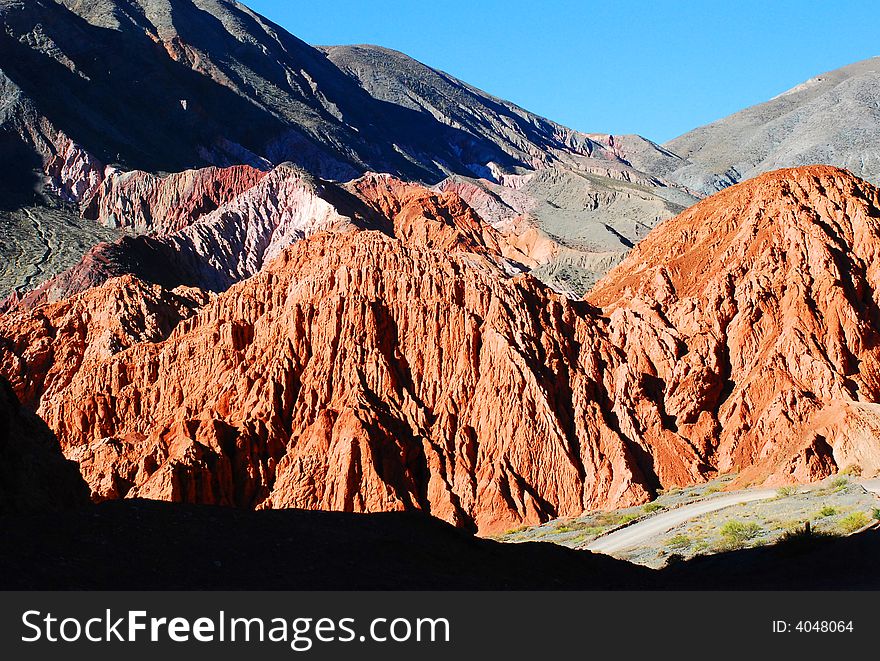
(618, 66)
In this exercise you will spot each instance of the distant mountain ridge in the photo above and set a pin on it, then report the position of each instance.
(831, 119)
(164, 85)
(93, 90)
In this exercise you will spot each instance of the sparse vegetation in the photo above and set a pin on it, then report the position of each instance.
(853, 469)
(610, 519)
(679, 542)
(839, 483)
(739, 531)
(853, 521)
(514, 531)
(593, 531)
(797, 516)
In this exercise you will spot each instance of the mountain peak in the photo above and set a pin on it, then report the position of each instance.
(762, 308)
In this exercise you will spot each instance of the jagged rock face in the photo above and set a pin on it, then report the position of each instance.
(360, 374)
(34, 475)
(403, 368)
(147, 203)
(43, 350)
(755, 314)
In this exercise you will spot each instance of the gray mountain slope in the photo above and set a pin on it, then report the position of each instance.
(833, 119)
(165, 85)
(162, 85)
(589, 194)
(398, 79)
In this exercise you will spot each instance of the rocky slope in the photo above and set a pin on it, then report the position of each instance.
(211, 82)
(405, 368)
(754, 313)
(101, 99)
(573, 225)
(271, 212)
(833, 119)
(39, 241)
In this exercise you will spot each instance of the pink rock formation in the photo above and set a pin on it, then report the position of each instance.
(232, 242)
(402, 368)
(74, 174)
(148, 203)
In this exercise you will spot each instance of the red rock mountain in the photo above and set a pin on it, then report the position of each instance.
(404, 368)
(755, 315)
(213, 227)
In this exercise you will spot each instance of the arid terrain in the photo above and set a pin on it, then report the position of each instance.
(336, 279)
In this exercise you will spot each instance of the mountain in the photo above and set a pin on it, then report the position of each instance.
(94, 93)
(753, 319)
(405, 366)
(263, 213)
(252, 272)
(360, 372)
(832, 119)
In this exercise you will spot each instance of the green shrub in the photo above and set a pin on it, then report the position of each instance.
(853, 521)
(876, 513)
(594, 531)
(785, 492)
(650, 508)
(827, 511)
(740, 532)
(701, 545)
(839, 483)
(679, 542)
